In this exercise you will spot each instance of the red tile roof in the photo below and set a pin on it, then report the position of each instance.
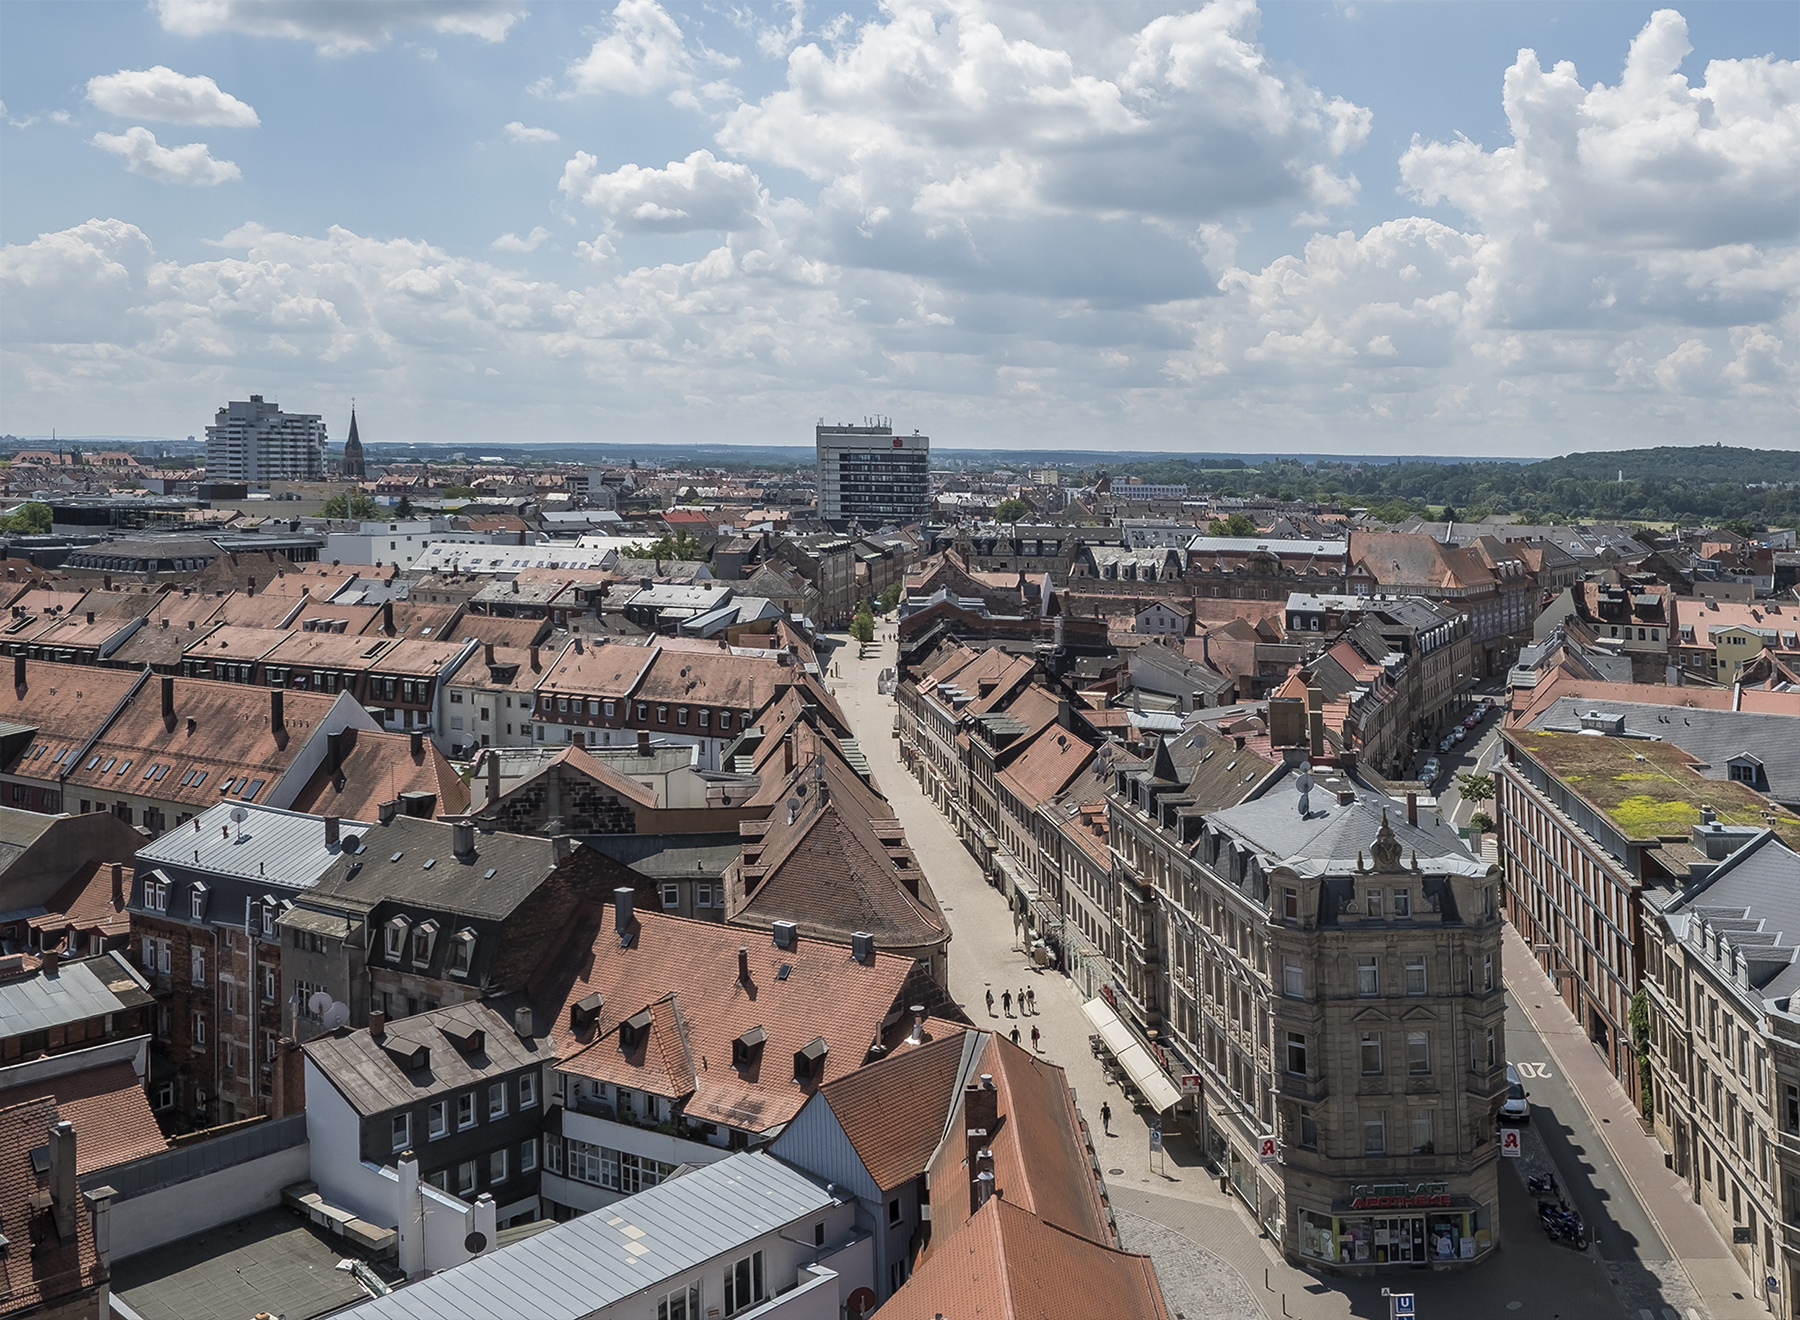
(896, 1111)
(107, 1105)
(1040, 1154)
(37, 1267)
(825, 993)
(1006, 1264)
(378, 767)
(1046, 767)
(66, 704)
(86, 902)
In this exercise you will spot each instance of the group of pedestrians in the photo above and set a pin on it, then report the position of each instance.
(1027, 999)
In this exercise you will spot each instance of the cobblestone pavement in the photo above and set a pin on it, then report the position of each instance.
(1203, 1239)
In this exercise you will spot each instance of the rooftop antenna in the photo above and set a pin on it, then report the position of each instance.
(1304, 782)
(239, 816)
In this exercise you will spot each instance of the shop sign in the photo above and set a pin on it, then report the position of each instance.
(1399, 1196)
(1190, 1083)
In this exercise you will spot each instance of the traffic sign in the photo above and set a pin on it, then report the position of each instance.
(1509, 1142)
(1265, 1150)
(1155, 1139)
(1402, 1306)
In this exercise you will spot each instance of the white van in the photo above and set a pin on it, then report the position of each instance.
(1517, 1108)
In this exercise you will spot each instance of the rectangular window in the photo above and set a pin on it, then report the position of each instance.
(1491, 1047)
(1487, 971)
(1368, 977)
(1402, 903)
(1415, 975)
(527, 1090)
(528, 1156)
(1418, 1052)
(437, 1121)
(1290, 904)
(197, 959)
(1293, 981)
(744, 1283)
(671, 897)
(199, 1031)
(1421, 1132)
(1309, 1130)
(1296, 1053)
(1371, 1053)
(1374, 903)
(402, 1131)
(465, 1111)
(1375, 1132)
(497, 1100)
(465, 1178)
(497, 1166)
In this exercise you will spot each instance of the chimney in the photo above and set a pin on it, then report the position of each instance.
(165, 623)
(334, 750)
(622, 909)
(99, 1202)
(463, 832)
(288, 1077)
(918, 1032)
(48, 960)
(386, 811)
(64, 1203)
(488, 654)
(862, 946)
(418, 745)
(643, 742)
(1412, 810)
(118, 879)
(522, 1021)
(90, 616)
(19, 672)
(515, 586)
(787, 753)
(536, 667)
(252, 590)
(387, 617)
(493, 776)
(168, 698)
(277, 714)
(377, 1024)
(743, 965)
(785, 932)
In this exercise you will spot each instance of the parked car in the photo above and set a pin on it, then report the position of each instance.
(1429, 770)
(1471, 721)
(1516, 1109)
(1446, 743)
(1459, 735)
(1487, 703)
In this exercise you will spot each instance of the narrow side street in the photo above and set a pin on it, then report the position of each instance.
(1210, 1253)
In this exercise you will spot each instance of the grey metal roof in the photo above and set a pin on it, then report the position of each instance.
(1237, 545)
(369, 1077)
(591, 1262)
(270, 846)
(669, 856)
(74, 992)
(1753, 902)
(1714, 736)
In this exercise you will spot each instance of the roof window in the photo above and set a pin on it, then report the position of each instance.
(746, 1050)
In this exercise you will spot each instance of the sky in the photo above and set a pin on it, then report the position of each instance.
(1470, 228)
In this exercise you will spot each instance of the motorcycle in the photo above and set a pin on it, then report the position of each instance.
(1545, 1186)
(1562, 1224)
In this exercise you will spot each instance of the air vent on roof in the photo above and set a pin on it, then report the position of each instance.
(491, 873)
(397, 856)
(784, 971)
(429, 863)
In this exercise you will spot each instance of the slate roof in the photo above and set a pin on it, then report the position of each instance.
(589, 1263)
(825, 993)
(373, 1081)
(1752, 901)
(1007, 1264)
(391, 865)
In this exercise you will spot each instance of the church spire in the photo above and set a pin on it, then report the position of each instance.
(353, 450)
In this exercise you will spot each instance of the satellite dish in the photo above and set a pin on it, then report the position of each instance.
(318, 1004)
(239, 815)
(475, 1243)
(338, 1015)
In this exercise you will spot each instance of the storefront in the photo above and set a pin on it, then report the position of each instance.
(1398, 1224)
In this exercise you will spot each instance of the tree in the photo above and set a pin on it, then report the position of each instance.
(32, 519)
(1481, 823)
(1011, 510)
(404, 508)
(351, 504)
(459, 492)
(1475, 787)
(1238, 524)
(862, 627)
(683, 546)
(1638, 1017)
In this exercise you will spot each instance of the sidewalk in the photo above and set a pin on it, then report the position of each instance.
(1686, 1231)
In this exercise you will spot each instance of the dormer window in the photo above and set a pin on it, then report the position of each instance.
(462, 952)
(197, 899)
(809, 1060)
(746, 1050)
(424, 934)
(633, 1030)
(394, 937)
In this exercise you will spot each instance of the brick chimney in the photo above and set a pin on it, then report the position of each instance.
(377, 1024)
(118, 879)
(643, 742)
(288, 1077)
(65, 1198)
(277, 711)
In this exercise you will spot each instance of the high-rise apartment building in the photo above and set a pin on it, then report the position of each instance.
(256, 442)
(869, 475)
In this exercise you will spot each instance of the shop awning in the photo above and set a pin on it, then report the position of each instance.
(1151, 1081)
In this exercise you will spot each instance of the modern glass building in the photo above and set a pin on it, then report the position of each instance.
(869, 475)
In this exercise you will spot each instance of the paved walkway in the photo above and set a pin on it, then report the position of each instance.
(1703, 1255)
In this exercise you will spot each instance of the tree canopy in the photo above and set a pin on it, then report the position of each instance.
(32, 519)
(351, 504)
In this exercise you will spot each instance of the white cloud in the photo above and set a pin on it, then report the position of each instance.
(519, 132)
(339, 27)
(700, 192)
(192, 164)
(171, 98)
(513, 243)
(643, 53)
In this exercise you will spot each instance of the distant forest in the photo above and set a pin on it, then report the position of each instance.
(1690, 486)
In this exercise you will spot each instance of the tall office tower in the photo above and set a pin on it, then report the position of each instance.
(353, 454)
(256, 442)
(869, 475)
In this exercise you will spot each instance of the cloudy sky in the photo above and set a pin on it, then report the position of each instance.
(1444, 228)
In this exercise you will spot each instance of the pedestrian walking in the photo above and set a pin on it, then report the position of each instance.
(1106, 1118)
(1015, 1034)
(1031, 993)
(1021, 1001)
(990, 1003)
(1006, 1001)
(1034, 1038)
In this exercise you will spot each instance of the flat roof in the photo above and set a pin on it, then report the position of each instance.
(74, 992)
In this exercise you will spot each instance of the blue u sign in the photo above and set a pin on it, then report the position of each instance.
(1403, 1306)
